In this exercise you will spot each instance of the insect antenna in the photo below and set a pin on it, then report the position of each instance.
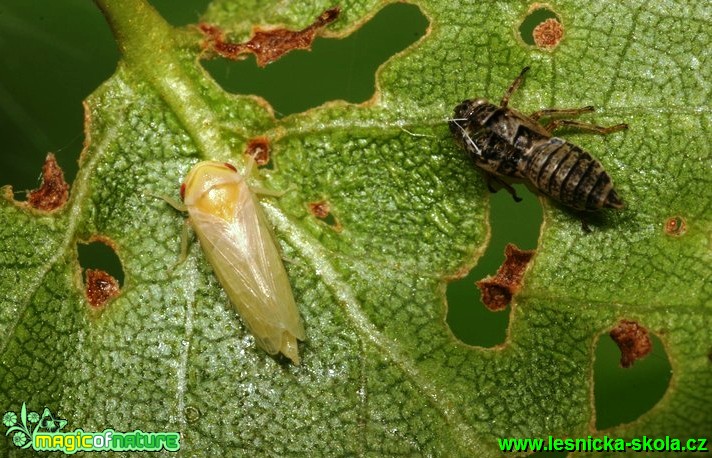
(445, 120)
(466, 136)
(413, 134)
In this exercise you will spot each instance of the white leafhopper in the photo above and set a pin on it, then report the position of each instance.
(239, 244)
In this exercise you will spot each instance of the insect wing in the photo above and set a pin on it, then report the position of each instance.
(246, 260)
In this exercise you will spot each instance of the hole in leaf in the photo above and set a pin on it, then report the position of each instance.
(322, 210)
(622, 395)
(259, 149)
(334, 69)
(511, 222)
(675, 226)
(541, 28)
(99, 255)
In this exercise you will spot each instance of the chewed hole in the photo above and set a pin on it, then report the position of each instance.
(468, 317)
(102, 272)
(621, 394)
(542, 28)
(342, 69)
(259, 149)
(322, 210)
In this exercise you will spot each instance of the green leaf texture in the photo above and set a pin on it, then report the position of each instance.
(381, 373)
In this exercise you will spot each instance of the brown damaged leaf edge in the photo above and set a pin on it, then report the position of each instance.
(497, 291)
(53, 191)
(259, 149)
(100, 287)
(632, 340)
(266, 45)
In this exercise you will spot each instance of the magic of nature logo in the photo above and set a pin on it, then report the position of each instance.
(43, 432)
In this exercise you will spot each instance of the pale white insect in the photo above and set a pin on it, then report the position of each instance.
(239, 244)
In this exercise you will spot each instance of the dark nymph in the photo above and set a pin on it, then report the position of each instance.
(510, 146)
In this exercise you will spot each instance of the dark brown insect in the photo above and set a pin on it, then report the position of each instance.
(507, 144)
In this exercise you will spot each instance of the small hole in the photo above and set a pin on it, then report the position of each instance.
(541, 28)
(468, 318)
(259, 149)
(622, 395)
(334, 69)
(99, 255)
(322, 210)
(675, 226)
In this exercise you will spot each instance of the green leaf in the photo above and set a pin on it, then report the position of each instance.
(381, 374)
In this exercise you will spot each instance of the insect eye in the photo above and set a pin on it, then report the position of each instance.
(230, 166)
(182, 191)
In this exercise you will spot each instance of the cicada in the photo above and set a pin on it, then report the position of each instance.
(237, 240)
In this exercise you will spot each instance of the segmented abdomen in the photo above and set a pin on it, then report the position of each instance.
(570, 175)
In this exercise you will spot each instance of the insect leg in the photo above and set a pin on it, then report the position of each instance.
(271, 192)
(184, 239)
(584, 226)
(491, 178)
(553, 125)
(260, 190)
(514, 86)
(170, 201)
(560, 112)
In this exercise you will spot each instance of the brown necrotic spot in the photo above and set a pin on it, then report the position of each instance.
(258, 148)
(632, 340)
(322, 210)
(548, 34)
(267, 45)
(100, 287)
(53, 191)
(675, 226)
(319, 209)
(541, 27)
(497, 291)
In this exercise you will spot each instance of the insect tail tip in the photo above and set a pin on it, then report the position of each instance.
(290, 349)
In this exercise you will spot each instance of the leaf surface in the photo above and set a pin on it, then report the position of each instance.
(381, 373)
